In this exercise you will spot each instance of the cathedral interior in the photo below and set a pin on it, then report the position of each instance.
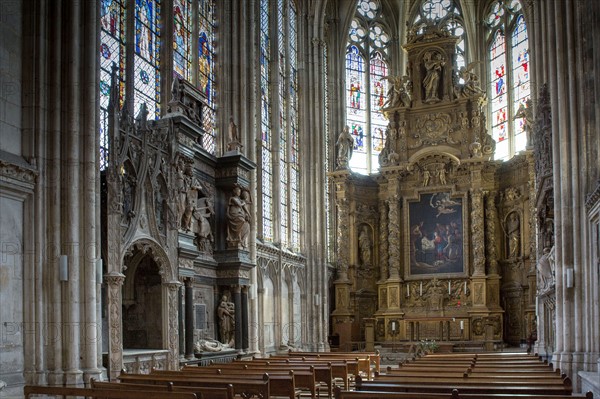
(186, 181)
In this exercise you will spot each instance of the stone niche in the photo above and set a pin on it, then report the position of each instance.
(422, 245)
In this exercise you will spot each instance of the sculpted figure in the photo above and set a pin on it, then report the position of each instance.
(471, 80)
(233, 139)
(226, 313)
(364, 243)
(545, 270)
(513, 235)
(526, 112)
(204, 236)
(238, 218)
(433, 62)
(209, 345)
(345, 144)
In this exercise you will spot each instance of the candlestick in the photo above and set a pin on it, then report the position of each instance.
(448, 287)
(462, 324)
(407, 290)
(421, 289)
(465, 287)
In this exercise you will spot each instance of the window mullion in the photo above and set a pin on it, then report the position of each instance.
(368, 107)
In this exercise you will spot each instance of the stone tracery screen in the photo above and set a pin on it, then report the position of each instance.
(436, 235)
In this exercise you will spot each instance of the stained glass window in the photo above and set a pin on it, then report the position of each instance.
(446, 14)
(112, 51)
(182, 36)
(147, 56)
(509, 75)
(265, 117)
(294, 132)
(206, 71)
(367, 62)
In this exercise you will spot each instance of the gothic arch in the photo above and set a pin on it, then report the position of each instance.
(147, 245)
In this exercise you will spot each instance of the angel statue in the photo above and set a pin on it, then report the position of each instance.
(398, 94)
(471, 85)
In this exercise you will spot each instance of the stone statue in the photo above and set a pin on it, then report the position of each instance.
(426, 177)
(513, 234)
(238, 219)
(433, 62)
(233, 139)
(203, 211)
(471, 84)
(545, 270)
(399, 92)
(187, 187)
(226, 314)
(345, 144)
(525, 111)
(365, 244)
(209, 345)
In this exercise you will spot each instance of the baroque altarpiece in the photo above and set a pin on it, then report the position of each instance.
(440, 243)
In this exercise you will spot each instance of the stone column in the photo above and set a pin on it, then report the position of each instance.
(115, 280)
(170, 312)
(490, 231)
(477, 232)
(189, 319)
(244, 311)
(383, 240)
(394, 237)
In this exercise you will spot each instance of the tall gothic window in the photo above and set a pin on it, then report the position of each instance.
(144, 62)
(446, 14)
(367, 62)
(112, 52)
(266, 180)
(146, 81)
(279, 120)
(509, 75)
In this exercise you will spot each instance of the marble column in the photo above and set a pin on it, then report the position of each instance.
(244, 310)
(237, 301)
(189, 319)
(180, 297)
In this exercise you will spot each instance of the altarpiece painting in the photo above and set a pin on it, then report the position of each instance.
(436, 234)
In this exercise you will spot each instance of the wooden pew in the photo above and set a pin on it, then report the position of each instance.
(201, 392)
(281, 383)
(365, 359)
(485, 387)
(30, 390)
(244, 387)
(325, 371)
(340, 394)
(304, 375)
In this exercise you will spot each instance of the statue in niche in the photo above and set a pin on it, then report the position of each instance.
(433, 62)
(226, 314)
(238, 218)
(129, 184)
(525, 111)
(513, 234)
(365, 245)
(203, 211)
(441, 173)
(345, 144)
(233, 139)
(426, 177)
(545, 270)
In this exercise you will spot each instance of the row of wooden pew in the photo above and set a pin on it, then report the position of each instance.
(472, 376)
(286, 376)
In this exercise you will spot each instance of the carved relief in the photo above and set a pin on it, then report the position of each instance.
(542, 136)
(394, 235)
(383, 241)
(342, 238)
(434, 128)
(490, 232)
(477, 232)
